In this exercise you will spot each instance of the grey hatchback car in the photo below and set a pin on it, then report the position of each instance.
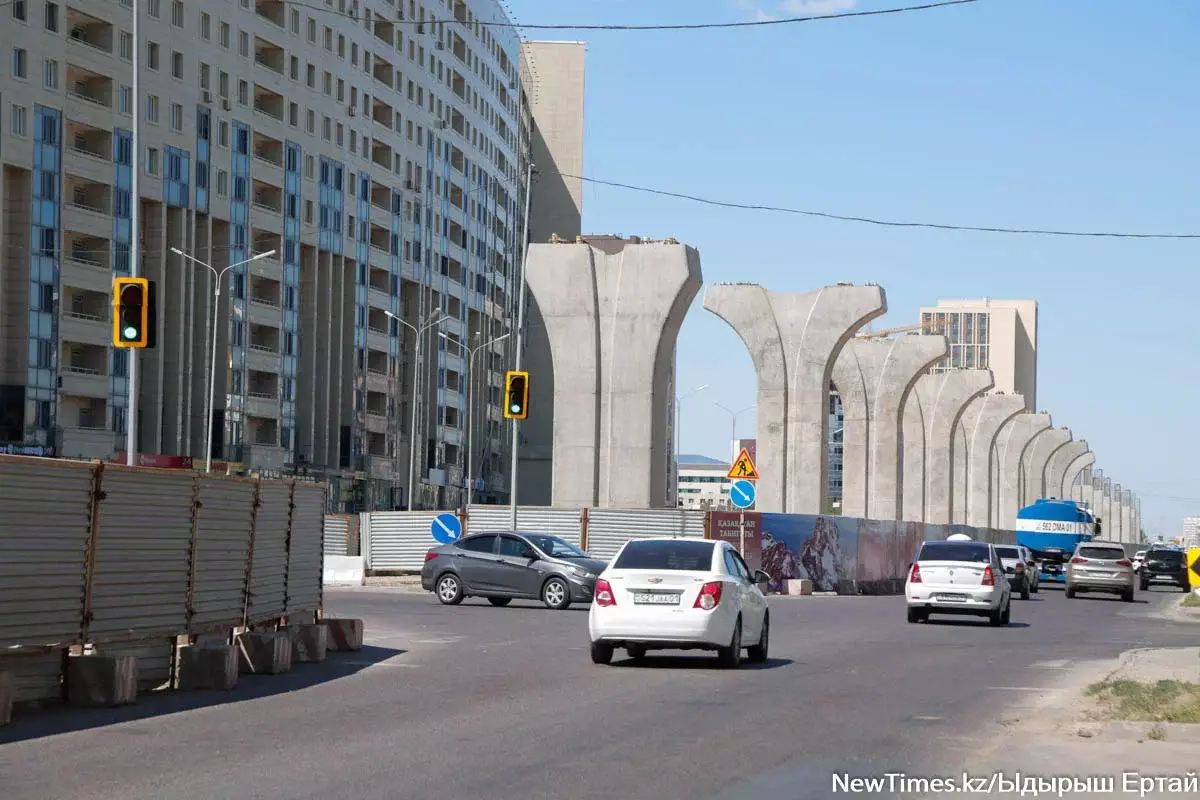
(505, 566)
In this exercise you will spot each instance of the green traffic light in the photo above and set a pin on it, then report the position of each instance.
(131, 333)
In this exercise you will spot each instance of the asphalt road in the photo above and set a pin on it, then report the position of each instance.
(500, 704)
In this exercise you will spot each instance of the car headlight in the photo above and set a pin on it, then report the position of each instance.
(582, 574)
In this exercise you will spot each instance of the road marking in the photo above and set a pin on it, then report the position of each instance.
(1020, 689)
(1061, 663)
(369, 664)
(438, 641)
(930, 719)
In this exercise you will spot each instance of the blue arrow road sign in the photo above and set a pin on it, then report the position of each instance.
(446, 528)
(741, 494)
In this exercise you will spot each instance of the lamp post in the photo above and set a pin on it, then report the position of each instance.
(433, 319)
(471, 353)
(733, 418)
(212, 370)
(135, 238)
(678, 439)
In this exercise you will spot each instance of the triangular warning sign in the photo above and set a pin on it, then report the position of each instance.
(743, 467)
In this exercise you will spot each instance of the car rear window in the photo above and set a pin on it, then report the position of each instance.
(1105, 553)
(954, 551)
(1008, 552)
(1170, 556)
(676, 555)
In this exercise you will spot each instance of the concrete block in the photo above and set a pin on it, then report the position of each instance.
(345, 635)
(343, 571)
(8, 693)
(799, 587)
(208, 667)
(794, 340)
(309, 643)
(266, 653)
(98, 680)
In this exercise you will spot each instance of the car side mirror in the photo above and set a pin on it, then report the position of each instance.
(761, 577)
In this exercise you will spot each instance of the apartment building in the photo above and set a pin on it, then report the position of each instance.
(1000, 335)
(702, 483)
(378, 148)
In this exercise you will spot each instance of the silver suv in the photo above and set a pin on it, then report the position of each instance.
(1100, 567)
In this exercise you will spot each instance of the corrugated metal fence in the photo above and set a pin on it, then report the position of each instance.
(129, 559)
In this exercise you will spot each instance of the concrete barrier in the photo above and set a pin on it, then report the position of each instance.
(267, 653)
(343, 571)
(344, 634)
(8, 692)
(309, 643)
(97, 680)
(799, 587)
(208, 667)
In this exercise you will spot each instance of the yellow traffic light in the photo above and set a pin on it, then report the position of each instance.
(516, 393)
(131, 313)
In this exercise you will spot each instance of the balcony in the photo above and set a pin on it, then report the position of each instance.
(88, 151)
(383, 114)
(459, 47)
(262, 241)
(84, 371)
(269, 102)
(85, 317)
(264, 338)
(378, 327)
(271, 10)
(266, 197)
(458, 160)
(458, 84)
(265, 291)
(94, 202)
(270, 55)
(91, 87)
(381, 197)
(384, 30)
(458, 122)
(263, 431)
(381, 154)
(86, 263)
(269, 151)
(384, 72)
(377, 448)
(85, 427)
(89, 31)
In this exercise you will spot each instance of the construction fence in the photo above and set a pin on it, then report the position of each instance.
(838, 554)
(135, 561)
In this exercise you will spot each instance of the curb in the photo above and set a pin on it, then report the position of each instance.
(1174, 732)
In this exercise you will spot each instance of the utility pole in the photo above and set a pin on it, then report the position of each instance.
(135, 240)
(512, 489)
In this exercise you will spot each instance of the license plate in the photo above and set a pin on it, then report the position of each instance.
(656, 599)
(953, 598)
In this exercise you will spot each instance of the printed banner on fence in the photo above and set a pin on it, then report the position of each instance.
(724, 526)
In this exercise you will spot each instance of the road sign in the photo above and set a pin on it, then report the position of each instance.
(743, 467)
(1193, 560)
(446, 528)
(741, 494)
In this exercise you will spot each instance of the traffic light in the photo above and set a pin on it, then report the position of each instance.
(133, 306)
(516, 392)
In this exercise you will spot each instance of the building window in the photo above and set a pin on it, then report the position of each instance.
(151, 55)
(177, 65)
(50, 73)
(152, 108)
(19, 65)
(125, 100)
(18, 10)
(177, 14)
(205, 26)
(244, 44)
(52, 17)
(222, 182)
(176, 117)
(126, 45)
(243, 93)
(151, 161)
(152, 8)
(223, 36)
(18, 120)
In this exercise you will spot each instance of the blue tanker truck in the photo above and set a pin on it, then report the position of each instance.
(1051, 529)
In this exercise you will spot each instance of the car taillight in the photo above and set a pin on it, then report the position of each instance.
(430, 556)
(915, 577)
(709, 597)
(604, 594)
(1078, 560)
(989, 577)
(1020, 567)
(1124, 562)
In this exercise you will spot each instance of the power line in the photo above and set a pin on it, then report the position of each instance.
(880, 222)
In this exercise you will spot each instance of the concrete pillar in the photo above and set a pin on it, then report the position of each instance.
(1011, 444)
(794, 340)
(912, 469)
(874, 378)
(982, 421)
(1057, 466)
(1083, 478)
(943, 397)
(958, 484)
(1114, 513)
(1033, 465)
(612, 310)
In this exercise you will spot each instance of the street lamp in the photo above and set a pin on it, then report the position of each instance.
(212, 370)
(471, 353)
(679, 439)
(433, 319)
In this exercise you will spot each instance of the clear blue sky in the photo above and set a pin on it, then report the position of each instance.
(1073, 114)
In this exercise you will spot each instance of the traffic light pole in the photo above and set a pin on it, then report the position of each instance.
(135, 238)
(520, 345)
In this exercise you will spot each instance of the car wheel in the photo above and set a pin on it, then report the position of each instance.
(602, 653)
(555, 594)
(636, 651)
(1033, 587)
(915, 615)
(1006, 617)
(758, 653)
(731, 657)
(1144, 586)
(1186, 588)
(449, 589)
(1025, 591)
(1127, 596)
(1070, 592)
(996, 618)
(500, 602)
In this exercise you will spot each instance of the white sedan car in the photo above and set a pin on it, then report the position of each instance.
(958, 577)
(680, 594)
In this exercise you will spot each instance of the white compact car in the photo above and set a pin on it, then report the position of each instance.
(958, 577)
(680, 594)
